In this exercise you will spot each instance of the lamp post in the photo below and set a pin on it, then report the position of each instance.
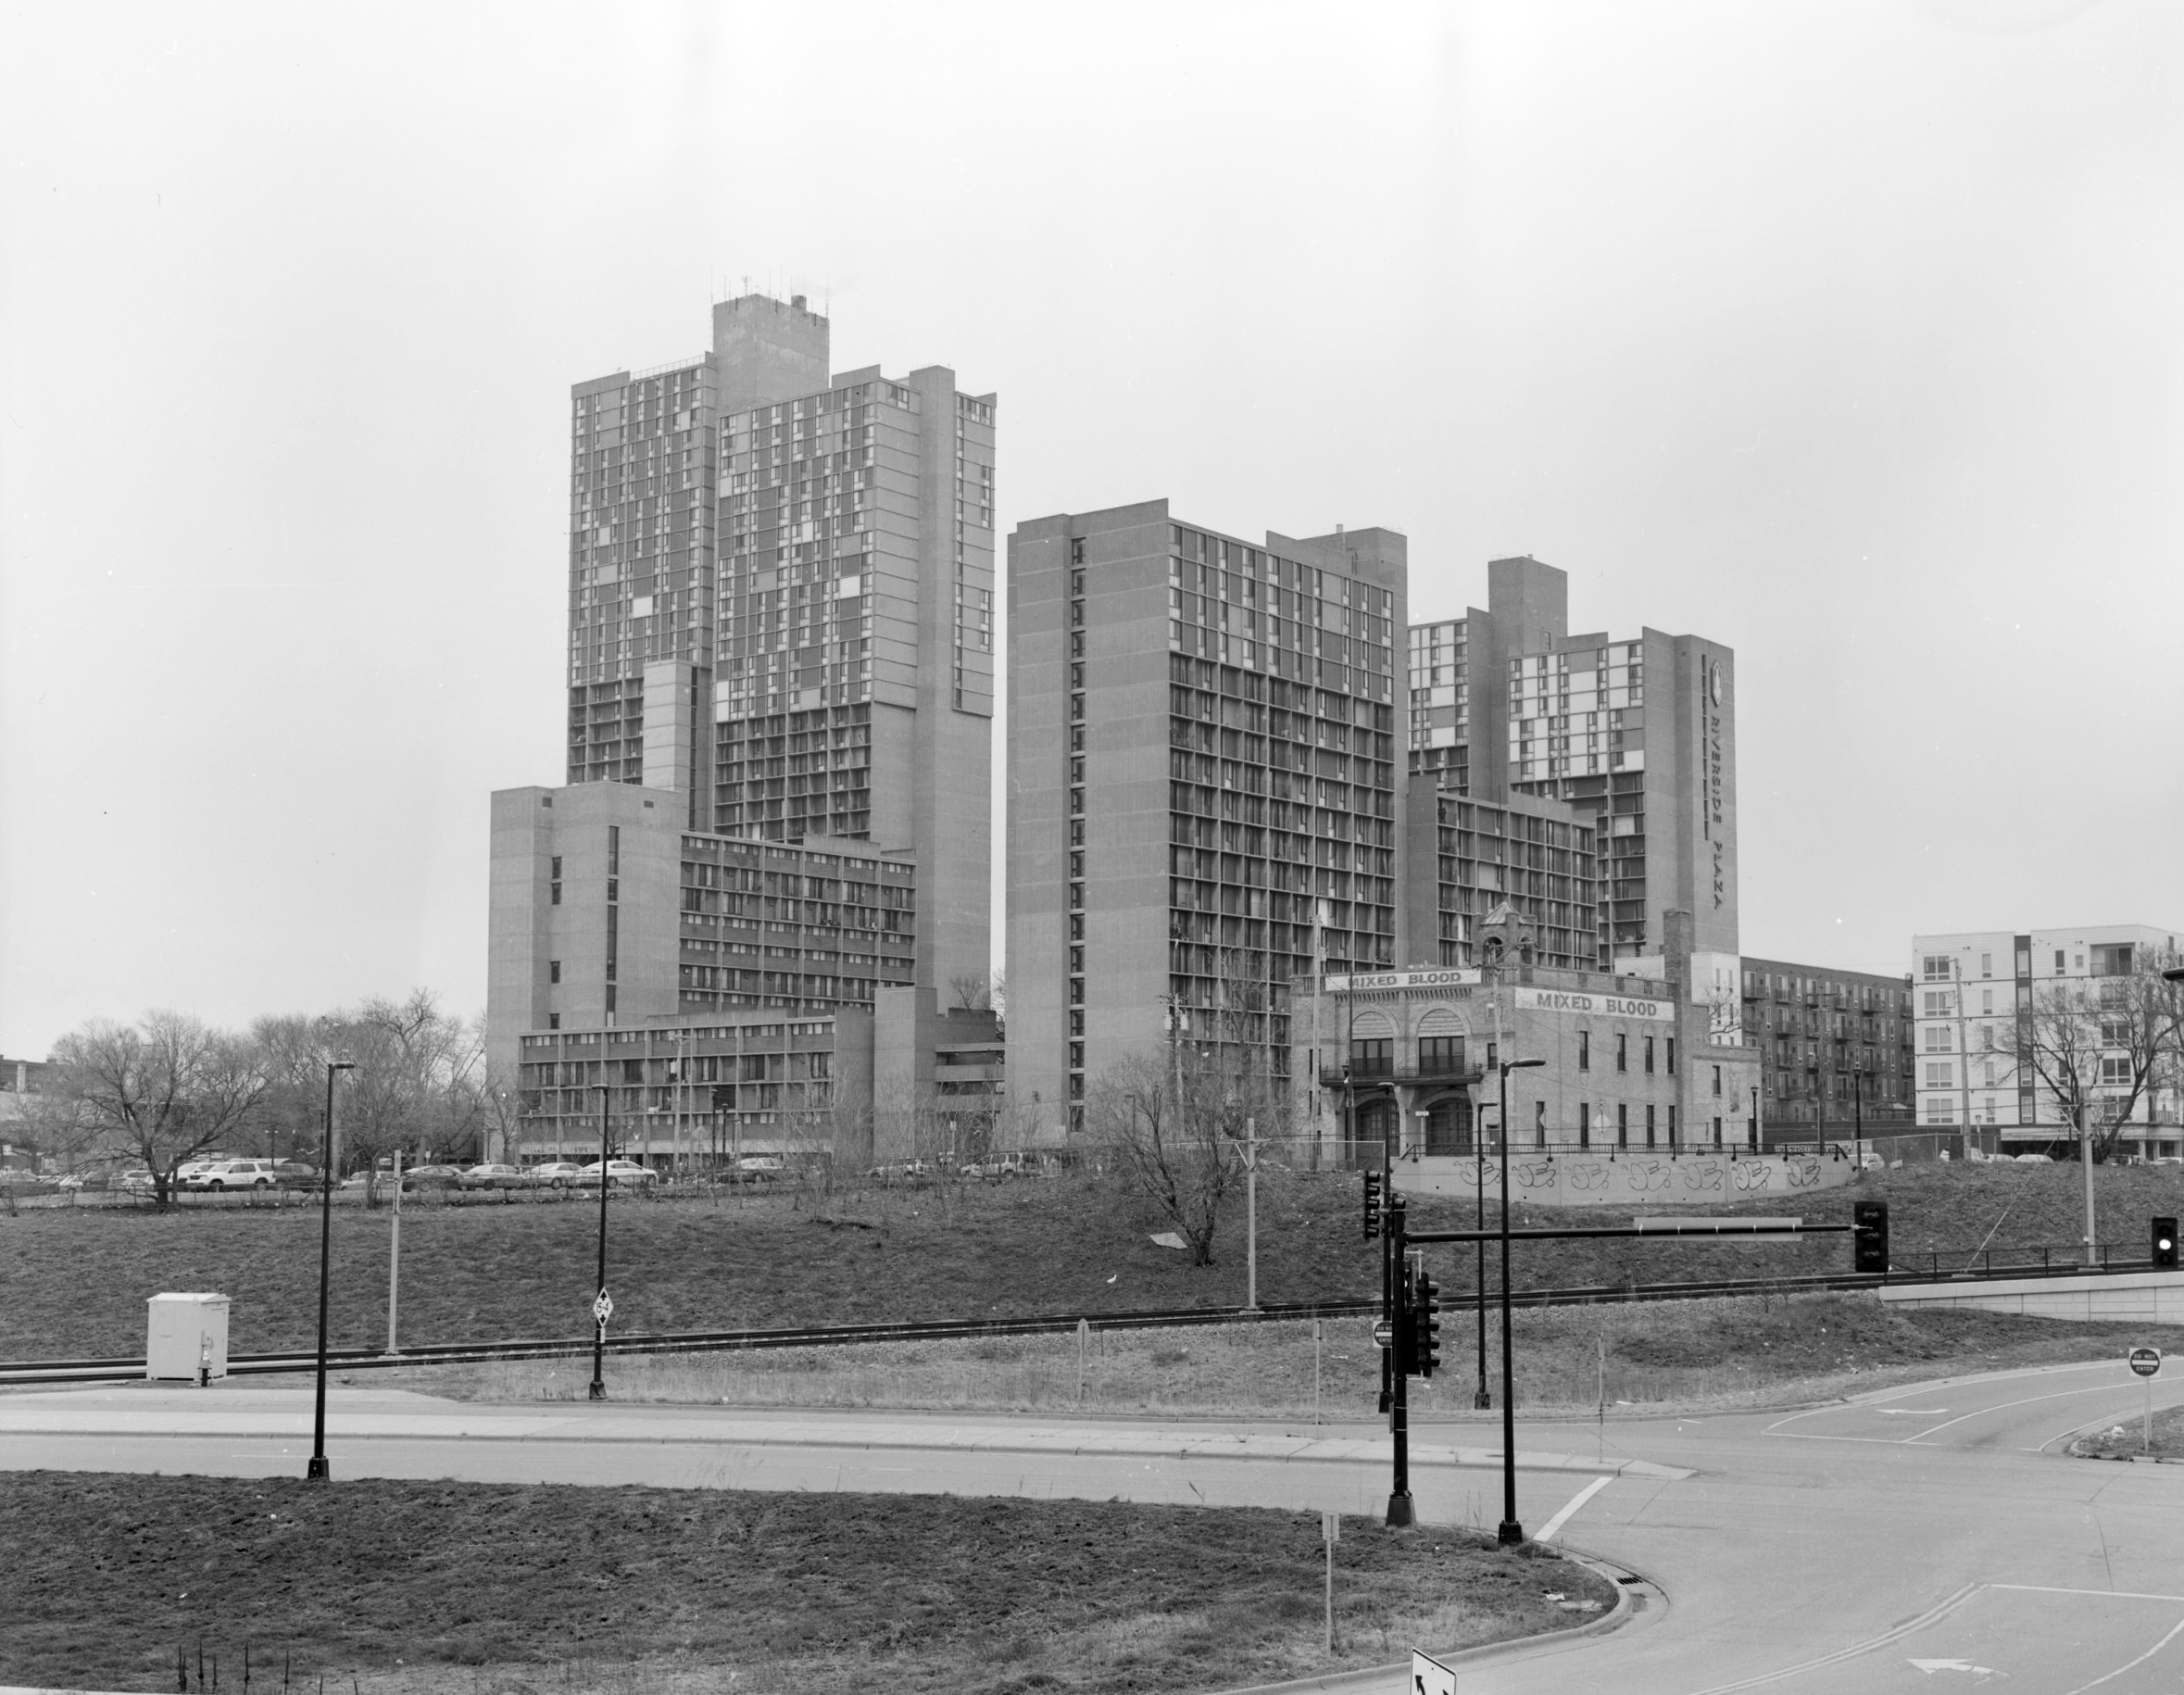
(319, 1471)
(1753, 1124)
(1484, 1396)
(1510, 1532)
(600, 1306)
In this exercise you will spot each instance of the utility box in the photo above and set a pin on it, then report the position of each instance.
(187, 1332)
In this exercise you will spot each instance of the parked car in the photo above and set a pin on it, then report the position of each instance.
(295, 1174)
(136, 1181)
(232, 1175)
(491, 1176)
(557, 1173)
(998, 1169)
(432, 1177)
(2034, 1158)
(621, 1173)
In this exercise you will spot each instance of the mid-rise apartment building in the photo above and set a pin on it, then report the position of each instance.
(1204, 786)
(1979, 998)
(1636, 736)
(1834, 1049)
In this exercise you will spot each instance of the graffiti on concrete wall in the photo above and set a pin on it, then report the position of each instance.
(1589, 1179)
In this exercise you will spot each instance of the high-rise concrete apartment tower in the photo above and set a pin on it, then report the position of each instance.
(1636, 737)
(781, 605)
(1203, 778)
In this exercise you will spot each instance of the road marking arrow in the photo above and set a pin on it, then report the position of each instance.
(1932, 1666)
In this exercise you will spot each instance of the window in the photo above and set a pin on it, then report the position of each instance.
(1934, 967)
(2058, 962)
(552, 971)
(1371, 1058)
(1539, 1124)
(553, 1021)
(1672, 1126)
(1672, 1056)
(1622, 1052)
(1585, 1124)
(1717, 1089)
(1440, 1055)
(1986, 965)
(1649, 1056)
(1717, 1132)
(2116, 1071)
(1584, 1050)
(1621, 1123)
(1649, 1123)
(1939, 1074)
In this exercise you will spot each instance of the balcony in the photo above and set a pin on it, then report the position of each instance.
(1367, 1077)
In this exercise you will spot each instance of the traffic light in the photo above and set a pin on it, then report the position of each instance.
(1425, 1325)
(1372, 1205)
(1869, 1235)
(2165, 1244)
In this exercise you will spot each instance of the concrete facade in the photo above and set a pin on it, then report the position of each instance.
(1202, 787)
(1638, 735)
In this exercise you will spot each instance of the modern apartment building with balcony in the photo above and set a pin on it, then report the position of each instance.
(1979, 1001)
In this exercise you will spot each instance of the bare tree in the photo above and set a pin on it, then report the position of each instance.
(1174, 1124)
(2098, 1048)
(161, 1091)
(415, 1085)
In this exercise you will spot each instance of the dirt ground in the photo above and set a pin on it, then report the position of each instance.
(483, 1590)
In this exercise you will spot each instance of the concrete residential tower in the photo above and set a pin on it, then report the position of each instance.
(1203, 787)
(781, 658)
(1637, 737)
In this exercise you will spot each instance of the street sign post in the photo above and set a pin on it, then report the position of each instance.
(603, 1308)
(2146, 1361)
(1429, 1677)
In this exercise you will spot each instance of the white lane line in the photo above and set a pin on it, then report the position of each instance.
(2004, 1406)
(1875, 1398)
(1570, 1506)
(2046, 1588)
(1932, 1615)
(2127, 1665)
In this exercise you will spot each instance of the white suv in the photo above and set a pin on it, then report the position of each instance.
(234, 1175)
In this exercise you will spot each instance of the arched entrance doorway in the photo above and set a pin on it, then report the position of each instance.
(1375, 1127)
(1447, 1126)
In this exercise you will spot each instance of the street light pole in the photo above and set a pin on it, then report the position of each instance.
(1510, 1532)
(1484, 1397)
(599, 1306)
(319, 1471)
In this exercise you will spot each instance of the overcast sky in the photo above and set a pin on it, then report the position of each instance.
(1847, 334)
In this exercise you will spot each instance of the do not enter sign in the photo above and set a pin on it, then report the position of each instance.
(2146, 1361)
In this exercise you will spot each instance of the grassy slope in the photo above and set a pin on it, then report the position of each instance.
(476, 1588)
(75, 1282)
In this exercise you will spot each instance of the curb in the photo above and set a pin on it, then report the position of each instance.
(1365, 1677)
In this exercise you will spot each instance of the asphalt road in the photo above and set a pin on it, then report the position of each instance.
(1927, 1539)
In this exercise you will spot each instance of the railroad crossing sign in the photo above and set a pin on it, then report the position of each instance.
(2146, 1361)
(1429, 1677)
(603, 1308)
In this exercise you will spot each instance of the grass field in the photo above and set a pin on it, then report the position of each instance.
(2127, 1438)
(76, 1281)
(481, 1589)
(1641, 1358)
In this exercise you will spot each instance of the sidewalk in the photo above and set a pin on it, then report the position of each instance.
(156, 1410)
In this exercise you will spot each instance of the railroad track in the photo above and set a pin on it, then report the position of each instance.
(33, 1372)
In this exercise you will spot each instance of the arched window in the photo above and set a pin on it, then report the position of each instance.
(1371, 1046)
(1440, 1042)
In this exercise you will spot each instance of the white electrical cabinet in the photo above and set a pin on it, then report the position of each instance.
(187, 1331)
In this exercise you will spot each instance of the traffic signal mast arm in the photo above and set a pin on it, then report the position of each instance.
(1732, 1227)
